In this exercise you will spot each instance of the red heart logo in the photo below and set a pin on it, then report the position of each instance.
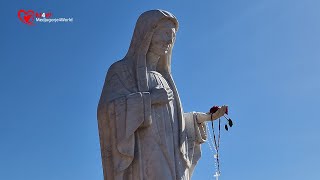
(28, 16)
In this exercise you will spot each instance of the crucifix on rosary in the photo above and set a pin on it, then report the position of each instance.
(214, 143)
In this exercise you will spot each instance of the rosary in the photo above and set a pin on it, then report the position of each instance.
(214, 143)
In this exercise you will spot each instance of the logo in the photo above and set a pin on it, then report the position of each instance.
(30, 17)
(26, 17)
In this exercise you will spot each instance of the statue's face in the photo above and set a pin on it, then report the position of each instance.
(163, 38)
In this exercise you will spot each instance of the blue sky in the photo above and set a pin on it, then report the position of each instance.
(261, 57)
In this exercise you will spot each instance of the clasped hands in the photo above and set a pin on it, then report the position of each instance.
(160, 95)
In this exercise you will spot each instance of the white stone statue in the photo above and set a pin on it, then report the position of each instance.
(144, 132)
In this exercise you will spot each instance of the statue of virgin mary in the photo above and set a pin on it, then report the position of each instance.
(144, 132)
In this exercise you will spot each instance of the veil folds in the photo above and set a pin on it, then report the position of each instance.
(140, 42)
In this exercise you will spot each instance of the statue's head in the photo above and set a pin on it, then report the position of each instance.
(155, 32)
(163, 37)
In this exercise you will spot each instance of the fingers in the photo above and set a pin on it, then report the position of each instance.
(221, 111)
(170, 93)
(162, 95)
(224, 109)
(166, 91)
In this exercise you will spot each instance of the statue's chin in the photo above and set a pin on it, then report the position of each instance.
(159, 50)
(165, 52)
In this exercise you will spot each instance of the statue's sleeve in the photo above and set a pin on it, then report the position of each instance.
(196, 135)
(129, 113)
(120, 114)
(196, 131)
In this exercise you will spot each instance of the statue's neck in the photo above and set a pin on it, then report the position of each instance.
(152, 61)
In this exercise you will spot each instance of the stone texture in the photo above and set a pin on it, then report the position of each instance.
(144, 132)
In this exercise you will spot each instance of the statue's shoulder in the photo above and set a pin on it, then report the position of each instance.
(120, 78)
(120, 68)
(116, 66)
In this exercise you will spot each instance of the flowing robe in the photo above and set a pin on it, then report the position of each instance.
(163, 159)
(143, 141)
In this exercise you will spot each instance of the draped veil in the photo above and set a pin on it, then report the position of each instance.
(125, 104)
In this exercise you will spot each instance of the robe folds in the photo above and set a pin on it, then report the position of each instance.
(130, 133)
